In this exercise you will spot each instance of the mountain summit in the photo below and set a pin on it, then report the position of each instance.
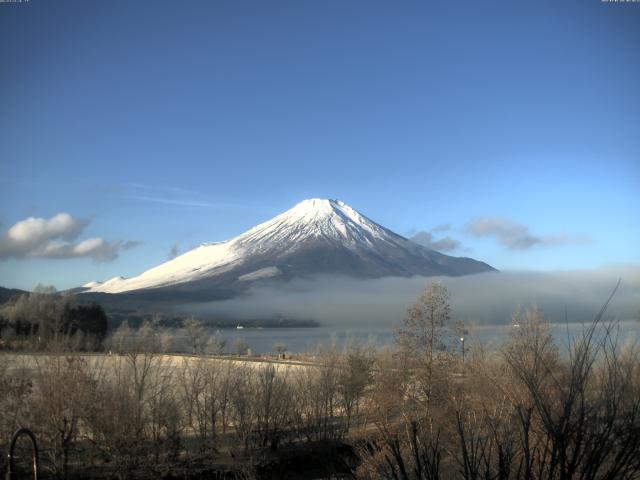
(316, 236)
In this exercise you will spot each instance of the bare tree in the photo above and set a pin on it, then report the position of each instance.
(121, 339)
(62, 386)
(192, 389)
(113, 419)
(272, 405)
(241, 402)
(280, 348)
(316, 395)
(196, 334)
(354, 377)
(241, 346)
(421, 336)
(163, 420)
(407, 442)
(216, 344)
(206, 388)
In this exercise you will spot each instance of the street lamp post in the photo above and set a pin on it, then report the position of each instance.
(462, 340)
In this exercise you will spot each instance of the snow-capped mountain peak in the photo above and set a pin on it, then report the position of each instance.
(315, 236)
(314, 218)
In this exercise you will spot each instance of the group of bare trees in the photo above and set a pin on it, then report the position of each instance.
(413, 410)
(140, 409)
(526, 411)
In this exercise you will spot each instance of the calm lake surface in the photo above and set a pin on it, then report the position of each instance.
(297, 340)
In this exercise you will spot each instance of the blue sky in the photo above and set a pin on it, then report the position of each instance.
(157, 124)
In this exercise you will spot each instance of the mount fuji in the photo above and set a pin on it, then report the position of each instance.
(316, 236)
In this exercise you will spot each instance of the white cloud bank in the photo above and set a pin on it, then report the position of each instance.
(55, 238)
(486, 298)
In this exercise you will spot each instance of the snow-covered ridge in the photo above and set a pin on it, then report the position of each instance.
(312, 218)
(337, 232)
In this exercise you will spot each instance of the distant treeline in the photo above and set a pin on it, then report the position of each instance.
(161, 318)
(38, 319)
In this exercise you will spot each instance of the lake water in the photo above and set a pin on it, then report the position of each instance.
(297, 340)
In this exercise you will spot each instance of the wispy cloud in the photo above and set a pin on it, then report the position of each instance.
(426, 238)
(170, 195)
(55, 238)
(97, 248)
(516, 236)
(159, 188)
(445, 244)
(173, 252)
(179, 202)
(445, 227)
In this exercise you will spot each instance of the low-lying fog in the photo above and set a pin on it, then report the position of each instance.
(483, 299)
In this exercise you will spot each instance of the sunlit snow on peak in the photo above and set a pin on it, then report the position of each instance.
(313, 225)
(309, 220)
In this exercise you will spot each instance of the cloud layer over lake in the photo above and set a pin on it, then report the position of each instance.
(487, 298)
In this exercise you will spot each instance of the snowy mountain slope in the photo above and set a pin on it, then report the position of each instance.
(315, 236)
